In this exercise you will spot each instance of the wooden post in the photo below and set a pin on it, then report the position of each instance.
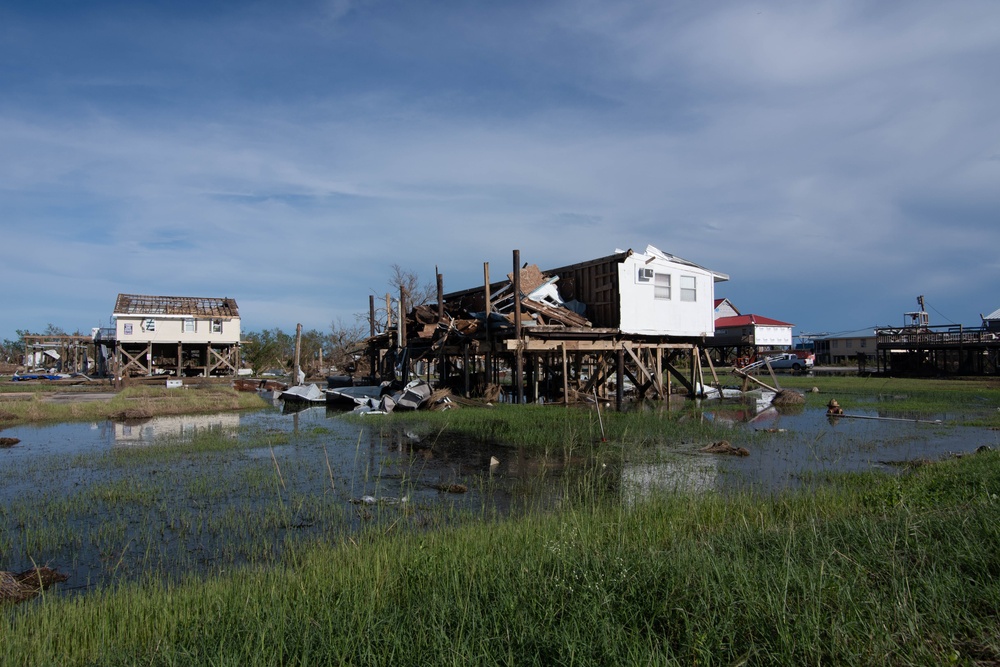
(489, 337)
(372, 352)
(619, 378)
(401, 332)
(519, 362)
(298, 351)
(565, 362)
(465, 369)
(442, 359)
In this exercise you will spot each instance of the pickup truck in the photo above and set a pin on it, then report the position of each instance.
(791, 361)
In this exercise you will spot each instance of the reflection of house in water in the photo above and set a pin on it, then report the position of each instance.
(175, 428)
(686, 472)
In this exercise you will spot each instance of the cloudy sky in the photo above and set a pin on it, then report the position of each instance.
(836, 159)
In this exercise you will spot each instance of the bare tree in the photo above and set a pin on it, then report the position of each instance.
(416, 294)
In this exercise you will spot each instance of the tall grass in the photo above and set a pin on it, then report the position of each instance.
(872, 570)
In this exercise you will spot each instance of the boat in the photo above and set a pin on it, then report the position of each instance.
(308, 393)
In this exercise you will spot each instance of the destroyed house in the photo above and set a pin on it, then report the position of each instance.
(576, 330)
(172, 335)
(651, 293)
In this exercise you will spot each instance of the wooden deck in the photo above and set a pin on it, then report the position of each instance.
(939, 350)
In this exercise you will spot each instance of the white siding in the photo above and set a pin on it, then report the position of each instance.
(133, 329)
(642, 313)
(773, 336)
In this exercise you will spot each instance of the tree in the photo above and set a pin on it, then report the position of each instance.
(270, 348)
(416, 294)
(344, 342)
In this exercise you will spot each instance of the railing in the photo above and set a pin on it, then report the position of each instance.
(941, 335)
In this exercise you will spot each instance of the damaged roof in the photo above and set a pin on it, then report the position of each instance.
(140, 304)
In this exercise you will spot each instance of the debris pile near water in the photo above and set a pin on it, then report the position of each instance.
(788, 397)
(723, 447)
(9, 442)
(16, 588)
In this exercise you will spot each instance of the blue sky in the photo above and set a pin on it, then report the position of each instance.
(836, 159)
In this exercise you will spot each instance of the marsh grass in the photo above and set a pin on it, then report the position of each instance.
(561, 429)
(871, 570)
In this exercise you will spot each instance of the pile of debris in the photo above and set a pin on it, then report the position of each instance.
(16, 588)
(723, 447)
(416, 395)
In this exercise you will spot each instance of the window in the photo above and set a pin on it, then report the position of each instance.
(661, 286)
(188, 325)
(216, 326)
(863, 341)
(149, 325)
(689, 288)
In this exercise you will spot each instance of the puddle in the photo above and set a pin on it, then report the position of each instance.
(106, 502)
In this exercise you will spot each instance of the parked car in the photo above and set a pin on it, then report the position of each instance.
(791, 361)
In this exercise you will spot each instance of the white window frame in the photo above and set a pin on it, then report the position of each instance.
(217, 326)
(190, 326)
(689, 292)
(661, 286)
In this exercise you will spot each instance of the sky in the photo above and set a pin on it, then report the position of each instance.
(836, 159)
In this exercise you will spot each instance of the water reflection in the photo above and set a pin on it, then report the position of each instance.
(178, 428)
(285, 479)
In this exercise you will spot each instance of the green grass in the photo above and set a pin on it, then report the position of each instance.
(973, 401)
(872, 570)
(134, 402)
(558, 428)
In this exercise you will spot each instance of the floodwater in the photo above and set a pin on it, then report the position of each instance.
(109, 502)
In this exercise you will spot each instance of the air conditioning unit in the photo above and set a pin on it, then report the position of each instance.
(645, 274)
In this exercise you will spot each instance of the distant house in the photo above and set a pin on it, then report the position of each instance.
(991, 322)
(741, 337)
(844, 349)
(171, 335)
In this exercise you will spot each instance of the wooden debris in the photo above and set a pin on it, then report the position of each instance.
(723, 447)
(551, 314)
(16, 588)
(531, 278)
